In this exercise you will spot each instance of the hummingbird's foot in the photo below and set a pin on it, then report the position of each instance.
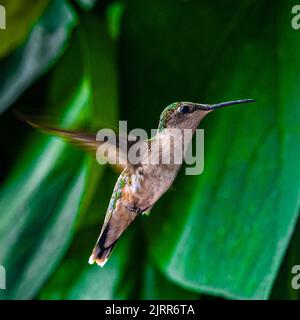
(135, 209)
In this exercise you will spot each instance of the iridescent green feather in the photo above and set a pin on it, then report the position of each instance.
(165, 115)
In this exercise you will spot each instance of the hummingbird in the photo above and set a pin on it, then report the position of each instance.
(140, 185)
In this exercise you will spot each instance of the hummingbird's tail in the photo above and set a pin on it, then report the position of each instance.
(116, 222)
(100, 253)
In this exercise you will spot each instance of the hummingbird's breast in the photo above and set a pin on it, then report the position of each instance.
(148, 184)
(158, 168)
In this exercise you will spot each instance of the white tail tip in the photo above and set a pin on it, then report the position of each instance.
(100, 263)
(91, 259)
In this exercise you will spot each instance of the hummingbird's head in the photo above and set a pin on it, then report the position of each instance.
(187, 115)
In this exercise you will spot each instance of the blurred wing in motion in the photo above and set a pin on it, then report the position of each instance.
(89, 143)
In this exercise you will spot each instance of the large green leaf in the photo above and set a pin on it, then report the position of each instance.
(75, 278)
(41, 198)
(86, 92)
(44, 45)
(85, 281)
(99, 57)
(20, 16)
(223, 232)
(157, 287)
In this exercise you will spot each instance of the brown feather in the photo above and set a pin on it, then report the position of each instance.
(116, 223)
(88, 143)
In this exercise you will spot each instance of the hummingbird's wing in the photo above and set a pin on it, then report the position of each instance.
(117, 219)
(88, 142)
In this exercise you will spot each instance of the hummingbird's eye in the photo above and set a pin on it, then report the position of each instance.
(184, 109)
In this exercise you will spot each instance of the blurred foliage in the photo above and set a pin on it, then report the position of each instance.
(20, 16)
(85, 63)
(45, 43)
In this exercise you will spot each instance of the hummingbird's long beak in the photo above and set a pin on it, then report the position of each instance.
(207, 107)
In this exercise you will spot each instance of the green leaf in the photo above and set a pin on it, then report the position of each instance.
(41, 198)
(43, 47)
(99, 57)
(57, 168)
(75, 278)
(224, 232)
(157, 287)
(20, 17)
(114, 13)
(49, 249)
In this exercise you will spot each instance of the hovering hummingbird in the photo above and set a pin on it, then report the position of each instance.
(140, 185)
